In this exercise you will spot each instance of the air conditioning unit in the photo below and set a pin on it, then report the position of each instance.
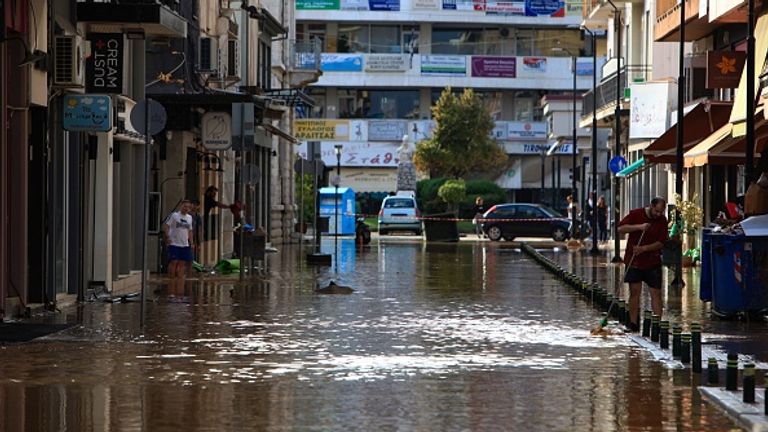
(68, 61)
(209, 55)
(233, 58)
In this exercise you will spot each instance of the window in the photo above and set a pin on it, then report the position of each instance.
(318, 94)
(353, 39)
(399, 203)
(385, 39)
(264, 72)
(523, 106)
(463, 41)
(391, 104)
(347, 103)
(411, 39)
(523, 42)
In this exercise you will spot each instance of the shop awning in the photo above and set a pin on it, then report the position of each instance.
(722, 148)
(274, 130)
(632, 168)
(738, 114)
(700, 122)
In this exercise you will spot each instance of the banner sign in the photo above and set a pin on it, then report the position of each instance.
(535, 64)
(724, 68)
(333, 62)
(551, 8)
(425, 4)
(384, 5)
(104, 67)
(386, 63)
(650, 108)
(504, 7)
(321, 130)
(387, 130)
(537, 149)
(466, 5)
(527, 130)
(585, 68)
(357, 154)
(452, 65)
(317, 4)
(87, 113)
(494, 67)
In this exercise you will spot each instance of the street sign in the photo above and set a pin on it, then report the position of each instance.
(157, 117)
(217, 131)
(242, 126)
(309, 167)
(617, 164)
(87, 113)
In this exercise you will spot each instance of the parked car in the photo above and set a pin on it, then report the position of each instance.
(508, 221)
(399, 213)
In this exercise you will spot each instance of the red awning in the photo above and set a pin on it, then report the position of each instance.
(704, 119)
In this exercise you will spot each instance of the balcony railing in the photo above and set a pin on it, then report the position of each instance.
(606, 90)
(305, 55)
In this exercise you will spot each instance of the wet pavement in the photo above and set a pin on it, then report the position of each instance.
(468, 336)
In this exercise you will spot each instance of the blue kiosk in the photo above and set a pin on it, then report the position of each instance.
(346, 210)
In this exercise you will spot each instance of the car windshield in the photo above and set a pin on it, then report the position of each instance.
(399, 203)
(552, 212)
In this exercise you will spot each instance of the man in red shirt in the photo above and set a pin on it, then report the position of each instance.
(647, 229)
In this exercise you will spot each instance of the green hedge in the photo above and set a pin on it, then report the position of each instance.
(426, 194)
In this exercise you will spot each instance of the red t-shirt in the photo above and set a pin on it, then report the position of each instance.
(657, 232)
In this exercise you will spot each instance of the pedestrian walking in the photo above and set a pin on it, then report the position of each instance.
(573, 211)
(478, 210)
(589, 214)
(602, 219)
(647, 229)
(178, 235)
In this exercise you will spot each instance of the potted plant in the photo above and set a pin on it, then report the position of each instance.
(691, 221)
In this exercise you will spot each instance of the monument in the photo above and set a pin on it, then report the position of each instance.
(406, 171)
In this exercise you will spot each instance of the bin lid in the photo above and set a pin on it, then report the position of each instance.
(332, 190)
(755, 226)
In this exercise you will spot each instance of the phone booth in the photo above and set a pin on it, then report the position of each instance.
(346, 211)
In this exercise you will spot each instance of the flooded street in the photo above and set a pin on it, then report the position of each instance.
(468, 336)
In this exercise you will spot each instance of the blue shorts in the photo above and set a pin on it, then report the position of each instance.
(178, 253)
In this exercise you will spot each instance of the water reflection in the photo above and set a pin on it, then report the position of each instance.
(437, 337)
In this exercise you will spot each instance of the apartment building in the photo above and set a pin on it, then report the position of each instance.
(385, 63)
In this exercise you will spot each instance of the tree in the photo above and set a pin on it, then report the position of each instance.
(461, 142)
(453, 192)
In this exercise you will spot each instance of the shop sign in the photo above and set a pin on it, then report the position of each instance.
(332, 62)
(535, 149)
(585, 67)
(466, 5)
(535, 64)
(357, 154)
(386, 63)
(649, 109)
(317, 4)
(217, 131)
(386, 130)
(551, 8)
(512, 178)
(451, 65)
(724, 68)
(527, 130)
(504, 7)
(384, 5)
(494, 67)
(87, 113)
(425, 4)
(321, 130)
(104, 67)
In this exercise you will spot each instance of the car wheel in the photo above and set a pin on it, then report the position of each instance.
(417, 232)
(494, 233)
(559, 234)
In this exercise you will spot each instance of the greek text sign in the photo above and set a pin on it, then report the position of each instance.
(386, 130)
(443, 65)
(494, 67)
(87, 113)
(104, 67)
(321, 130)
(386, 63)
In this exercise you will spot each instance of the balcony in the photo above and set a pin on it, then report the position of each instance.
(596, 13)
(606, 93)
(667, 28)
(153, 17)
(305, 66)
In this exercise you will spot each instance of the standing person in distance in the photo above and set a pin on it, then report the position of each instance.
(648, 227)
(602, 219)
(478, 210)
(573, 211)
(178, 235)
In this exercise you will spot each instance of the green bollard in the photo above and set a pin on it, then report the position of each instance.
(696, 347)
(664, 334)
(713, 374)
(749, 383)
(677, 330)
(647, 324)
(685, 344)
(732, 372)
(654, 328)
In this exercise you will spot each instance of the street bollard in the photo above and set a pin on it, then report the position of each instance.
(647, 324)
(732, 372)
(654, 328)
(685, 344)
(677, 330)
(696, 347)
(622, 312)
(664, 334)
(713, 374)
(749, 383)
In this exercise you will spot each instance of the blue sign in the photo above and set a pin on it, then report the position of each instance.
(384, 5)
(87, 113)
(332, 62)
(617, 164)
(584, 68)
(543, 7)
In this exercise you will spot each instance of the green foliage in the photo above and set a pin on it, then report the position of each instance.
(426, 190)
(461, 142)
(305, 197)
(430, 202)
(452, 192)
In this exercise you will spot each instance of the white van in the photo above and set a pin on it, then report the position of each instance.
(399, 213)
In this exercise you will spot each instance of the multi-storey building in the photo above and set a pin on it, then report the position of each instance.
(385, 63)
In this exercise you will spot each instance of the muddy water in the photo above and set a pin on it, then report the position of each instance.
(436, 338)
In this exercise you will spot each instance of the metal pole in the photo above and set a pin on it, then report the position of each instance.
(543, 175)
(594, 250)
(145, 222)
(336, 212)
(574, 151)
(749, 162)
(554, 177)
(241, 191)
(617, 148)
(677, 281)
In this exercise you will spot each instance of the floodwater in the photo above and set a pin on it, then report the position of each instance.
(467, 337)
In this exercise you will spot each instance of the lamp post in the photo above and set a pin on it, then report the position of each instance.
(337, 180)
(678, 279)
(749, 163)
(573, 149)
(594, 250)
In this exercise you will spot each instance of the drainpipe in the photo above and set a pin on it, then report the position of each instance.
(4, 216)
